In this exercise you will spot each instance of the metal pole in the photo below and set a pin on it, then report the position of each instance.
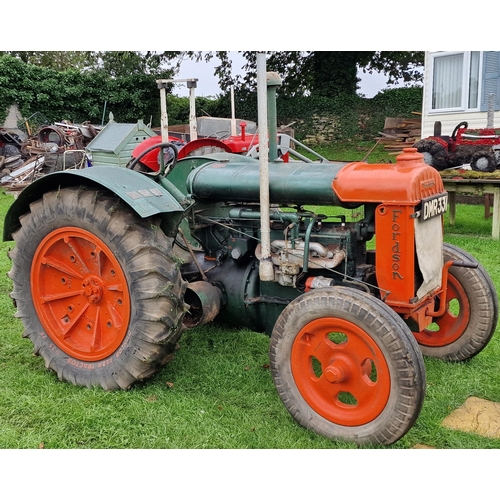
(104, 113)
(266, 270)
(163, 109)
(273, 81)
(491, 111)
(193, 125)
(233, 114)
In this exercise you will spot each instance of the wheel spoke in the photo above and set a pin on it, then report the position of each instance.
(316, 344)
(60, 266)
(97, 332)
(60, 296)
(115, 317)
(71, 324)
(75, 246)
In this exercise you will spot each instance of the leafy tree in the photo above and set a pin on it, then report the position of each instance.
(320, 73)
(111, 63)
(56, 60)
(123, 63)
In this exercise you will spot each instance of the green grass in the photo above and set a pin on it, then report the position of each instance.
(218, 392)
(353, 151)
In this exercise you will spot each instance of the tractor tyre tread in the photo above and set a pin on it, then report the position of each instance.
(154, 282)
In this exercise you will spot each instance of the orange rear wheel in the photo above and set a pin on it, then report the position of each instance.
(80, 293)
(97, 288)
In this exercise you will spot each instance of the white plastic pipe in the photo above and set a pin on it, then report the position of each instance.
(233, 113)
(164, 115)
(266, 270)
(193, 126)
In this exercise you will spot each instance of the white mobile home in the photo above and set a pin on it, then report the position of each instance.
(456, 89)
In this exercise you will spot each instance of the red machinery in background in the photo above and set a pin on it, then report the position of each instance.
(228, 141)
(478, 147)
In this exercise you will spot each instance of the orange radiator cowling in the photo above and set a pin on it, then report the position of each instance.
(409, 195)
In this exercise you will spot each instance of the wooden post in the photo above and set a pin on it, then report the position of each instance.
(495, 232)
(453, 209)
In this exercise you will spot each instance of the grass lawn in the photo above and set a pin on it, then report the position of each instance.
(218, 392)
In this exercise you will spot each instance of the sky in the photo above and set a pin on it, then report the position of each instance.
(207, 84)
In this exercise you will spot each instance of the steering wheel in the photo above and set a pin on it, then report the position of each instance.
(161, 158)
(457, 128)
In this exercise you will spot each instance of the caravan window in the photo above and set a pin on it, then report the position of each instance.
(455, 81)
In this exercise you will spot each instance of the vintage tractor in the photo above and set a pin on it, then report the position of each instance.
(111, 265)
(478, 147)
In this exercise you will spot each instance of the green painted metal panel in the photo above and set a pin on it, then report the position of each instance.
(115, 136)
(294, 182)
(142, 193)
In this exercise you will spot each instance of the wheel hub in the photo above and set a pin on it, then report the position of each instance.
(92, 289)
(335, 374)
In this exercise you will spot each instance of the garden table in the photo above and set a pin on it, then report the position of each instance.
(476, 187)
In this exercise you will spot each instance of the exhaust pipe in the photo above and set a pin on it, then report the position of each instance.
(204, 301)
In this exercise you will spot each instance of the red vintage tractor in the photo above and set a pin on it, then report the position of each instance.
(226, 139)
(478, 147)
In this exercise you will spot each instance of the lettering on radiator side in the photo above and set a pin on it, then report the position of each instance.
(396, 250)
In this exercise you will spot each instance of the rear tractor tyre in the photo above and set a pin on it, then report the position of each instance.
(347, 367)
(95, 289)
(471, 315)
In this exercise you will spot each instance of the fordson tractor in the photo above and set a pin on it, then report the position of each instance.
(111, 265)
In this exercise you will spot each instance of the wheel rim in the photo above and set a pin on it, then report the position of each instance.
(340, 371)
(80, 294)
(450, 327)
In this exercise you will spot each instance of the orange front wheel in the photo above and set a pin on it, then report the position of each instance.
(346, 366)
(470, 316)
(340, 371)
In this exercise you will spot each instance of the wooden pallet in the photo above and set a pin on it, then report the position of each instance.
(400, 133)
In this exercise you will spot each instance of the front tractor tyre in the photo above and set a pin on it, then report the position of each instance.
(347, 367)
(471, 313)
(95, 288)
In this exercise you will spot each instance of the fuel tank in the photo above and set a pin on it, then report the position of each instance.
(298, 183)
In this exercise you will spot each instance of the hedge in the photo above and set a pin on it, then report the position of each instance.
(90, 96)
